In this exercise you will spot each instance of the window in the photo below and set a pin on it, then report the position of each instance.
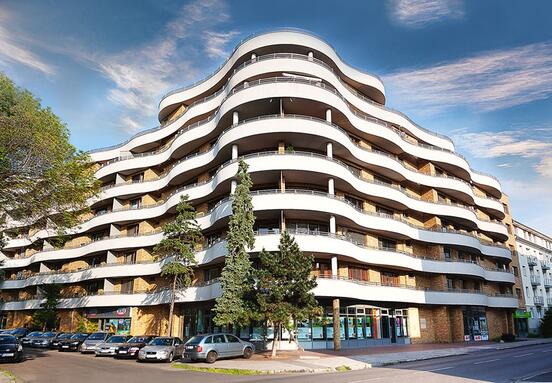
(135, 203)
(139, 177)
(382, 180)
(450, 283)
(515, 271)
(387, 244)
(127, 286)
(219, 339)
(354, 201)
(446, 252)
(132, 230)
(383, 210)
(129, 257)
(232, 339)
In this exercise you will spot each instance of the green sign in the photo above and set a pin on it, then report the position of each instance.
(522, 314)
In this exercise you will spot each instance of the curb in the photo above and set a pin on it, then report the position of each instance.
(230, 371)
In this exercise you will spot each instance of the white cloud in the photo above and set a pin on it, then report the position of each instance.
(418, 13)
(14, 48)
(544, 167)
(488, 81)
(141, 75)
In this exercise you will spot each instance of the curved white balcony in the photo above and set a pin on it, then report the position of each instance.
(284, 125)
(323, 243)
(326, 288)
(308, 89)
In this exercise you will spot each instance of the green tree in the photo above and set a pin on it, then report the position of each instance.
(46, 317)
(178, 245)
(233, 306)
(546, 324)
(284, 285)
(43, 178)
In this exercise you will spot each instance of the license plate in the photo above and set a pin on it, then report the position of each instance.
(64, 346)
(122, 352)
(7, 354)
(189, 347)
(151, 356)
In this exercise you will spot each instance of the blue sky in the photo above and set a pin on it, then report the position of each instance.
(478, 71)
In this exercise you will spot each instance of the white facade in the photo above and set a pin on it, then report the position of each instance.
(535, 260)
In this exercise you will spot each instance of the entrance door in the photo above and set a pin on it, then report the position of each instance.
(392, 326)
(385, 326)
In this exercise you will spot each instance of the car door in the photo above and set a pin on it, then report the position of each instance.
(220, 345)
(178, 347)
(234, 345)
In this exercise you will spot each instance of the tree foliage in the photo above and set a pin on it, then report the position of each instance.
(546, 324)
(233, 306)
(181, 237)
(43, 178)
(284, 286)
(46, 317)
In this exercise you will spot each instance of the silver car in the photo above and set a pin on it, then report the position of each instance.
(210, 347)
(163, 348)
(93, 340)
(110, 346)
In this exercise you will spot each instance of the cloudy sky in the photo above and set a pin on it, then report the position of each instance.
(478, 71)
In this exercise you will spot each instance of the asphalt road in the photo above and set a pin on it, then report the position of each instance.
(523, 363)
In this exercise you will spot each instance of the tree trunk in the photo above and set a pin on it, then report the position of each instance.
(275, 339)
(336, 325)
(171, 309)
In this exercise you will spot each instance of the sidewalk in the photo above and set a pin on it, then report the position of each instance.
(353, 359)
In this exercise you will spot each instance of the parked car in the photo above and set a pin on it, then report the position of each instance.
(93, 340)
(44, 340)
(10, 348)
(19, 332)
(26, 340)
(210, 347)
(109, 347)
(132, 346)
(162, 348)
(73, 343)
(61, 336)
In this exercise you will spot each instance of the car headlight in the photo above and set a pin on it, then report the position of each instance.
(133, 349)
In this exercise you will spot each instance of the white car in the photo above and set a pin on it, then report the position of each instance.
(110, 346)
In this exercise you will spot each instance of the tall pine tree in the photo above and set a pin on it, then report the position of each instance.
(233, 306)
(181, 237)
(284, 287)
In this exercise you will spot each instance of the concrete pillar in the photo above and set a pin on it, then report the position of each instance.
(116, 204)
(246, 84)
(43, 268)
(235, 118)
(47, 246)
(233, 186)
(311, 56)
(108, 285)
(332, 225)
(234, 151)
(336, 325)
(113, 230)
(329, 150)
(111, 258)
(282, 182)
(253, 57)
(282, 220)
(119, 179)
(329, 115)
(331, 189)
(334, 267)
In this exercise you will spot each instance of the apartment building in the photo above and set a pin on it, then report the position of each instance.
(534, 250)
(404, 232)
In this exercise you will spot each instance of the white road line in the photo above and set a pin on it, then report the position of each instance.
(522, 355)
(440, 369)
(487, 361)
(547, 351)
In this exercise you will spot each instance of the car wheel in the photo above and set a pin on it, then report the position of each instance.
(170, 358)
(211, 357)
(247, 353)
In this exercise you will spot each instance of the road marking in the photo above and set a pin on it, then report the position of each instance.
(522, 355)
(440, 369)
(547, 351)
(487, 361)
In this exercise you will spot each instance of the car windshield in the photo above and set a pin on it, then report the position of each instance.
(117, 339)
(48, 335)
(65, 336)
(195, 339)
(7, 339)
(79, 336)
(138, 339)
(161, 342)
(97, 336)
(18, 331)
(34, 334)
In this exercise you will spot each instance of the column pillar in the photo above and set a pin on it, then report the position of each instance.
(329, 150)
(329, 115)
(336, 325)
(233, 186)
(332, 225)
(334, 266)
(119, 179)
(253, 57)
(311, 55)
(331, 189)
(234, 151)
(235, 118)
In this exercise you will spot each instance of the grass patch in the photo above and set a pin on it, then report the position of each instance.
(10, 375)
(343, 368)
(217, 370)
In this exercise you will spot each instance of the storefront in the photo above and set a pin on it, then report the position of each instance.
(113, 320)
(521, 322)
(475, 324)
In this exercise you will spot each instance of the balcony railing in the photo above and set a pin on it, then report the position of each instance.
(532, 261)
(549, 302)
(547, 282)
(545, 265)
(535, 280)
(538, 300)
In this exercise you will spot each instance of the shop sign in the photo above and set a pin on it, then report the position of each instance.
(522, 314)
(121, 312)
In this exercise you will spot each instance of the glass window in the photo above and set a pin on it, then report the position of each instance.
(232, 339)
(387, 244)
(219, 339)
(369, 322)
(360, 327)
(317, 329)
(304, 330)
(446, 252)
(351, 329)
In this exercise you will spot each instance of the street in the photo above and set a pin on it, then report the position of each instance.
(523, 363)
